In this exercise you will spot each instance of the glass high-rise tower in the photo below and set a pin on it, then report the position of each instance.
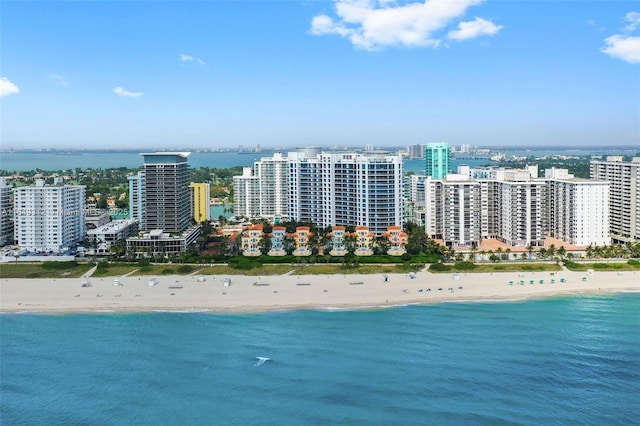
(437, 160)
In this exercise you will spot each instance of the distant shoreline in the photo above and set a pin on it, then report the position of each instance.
(247, 294)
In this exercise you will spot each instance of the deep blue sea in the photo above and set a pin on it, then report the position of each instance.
(564, 361)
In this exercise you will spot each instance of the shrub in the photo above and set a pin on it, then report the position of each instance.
(633, 262)
(464, 266)
(601, 266)
(59, 266)
(439, 267)
(185, 269)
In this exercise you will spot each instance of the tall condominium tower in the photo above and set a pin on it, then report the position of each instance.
(273, 178)
(49, 217)
(624, 195)
(246, 194)
(577, 210)
(6, 218)
(200, 194)
(136, 196)
(166, 191)
(346, 188)
(437, 160)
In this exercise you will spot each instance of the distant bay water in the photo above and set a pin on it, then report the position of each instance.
(51, 161)
(23, 161)
(570, 360)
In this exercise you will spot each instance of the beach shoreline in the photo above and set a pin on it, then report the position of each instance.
(250, 294)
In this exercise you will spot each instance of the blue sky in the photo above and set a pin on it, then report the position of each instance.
(350, 72)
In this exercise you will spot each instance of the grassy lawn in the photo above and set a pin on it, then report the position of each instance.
(114, 270)
(497, 267)
(597, 266)
(43, 270)
(257, 271)
(166, 269)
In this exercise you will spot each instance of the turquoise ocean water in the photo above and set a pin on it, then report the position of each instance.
(562, 361)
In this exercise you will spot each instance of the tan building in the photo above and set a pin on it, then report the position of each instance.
(397, 240)
(252, 240)
(364, 241)
(301, 239)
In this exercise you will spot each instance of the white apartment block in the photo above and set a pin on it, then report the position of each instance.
(624, 195)
(453, 210)
(49, 217)
(6, 214)
(504, 204)
(111, 233)
(246, 194)
(518, 205)
(577, 209)
(273, 176)
(346, 189)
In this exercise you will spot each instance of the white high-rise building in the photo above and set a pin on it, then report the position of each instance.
(6, 216)
(246, 194)
(346, 188)
(506, 205)
(49, 217)
(265, 193)
(577, 209)
(273, 177)
(453, 210)
(624, 195)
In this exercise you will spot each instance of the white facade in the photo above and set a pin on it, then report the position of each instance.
(346, 188)
(49, 217)
(578, 209)
(107, 235)
(273, 177)
(246, 194)
(624, 195)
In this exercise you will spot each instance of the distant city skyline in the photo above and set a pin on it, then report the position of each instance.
(214, 74)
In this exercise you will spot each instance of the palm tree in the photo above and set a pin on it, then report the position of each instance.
(551, 251)
(508, 253)
(472, 253)
(562, 252)
(529, 250)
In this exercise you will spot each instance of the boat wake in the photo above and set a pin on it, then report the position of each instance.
(261, 360)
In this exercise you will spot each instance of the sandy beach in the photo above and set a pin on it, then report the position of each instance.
(285, 292)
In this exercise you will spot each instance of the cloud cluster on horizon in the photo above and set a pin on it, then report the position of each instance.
(625, 46)
(184, 58)
(123, 92)
(374, 24)
(7, 87)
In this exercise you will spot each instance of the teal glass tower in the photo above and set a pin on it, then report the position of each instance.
(437, 160)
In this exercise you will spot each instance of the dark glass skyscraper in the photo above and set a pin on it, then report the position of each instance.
(166, 191)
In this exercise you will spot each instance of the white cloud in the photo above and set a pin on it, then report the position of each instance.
(625, 47)
(374, 24)
(7, 87)
(59, 80)
(633, 19)
(476, 28)
(188, 58)
(122, 92)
